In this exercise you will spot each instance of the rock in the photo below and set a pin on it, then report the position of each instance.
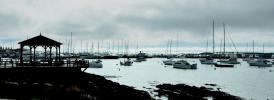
(211, 84)
(185, 92)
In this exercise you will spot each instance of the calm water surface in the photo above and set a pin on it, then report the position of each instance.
(242, 80)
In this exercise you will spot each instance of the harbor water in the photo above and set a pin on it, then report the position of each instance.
(245, 81)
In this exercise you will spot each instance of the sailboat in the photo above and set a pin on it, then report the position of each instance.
(250, 59)
(224, 63)
(209, 60)
(126, 62)
(96, 63)
(169, 60)
(261, 63)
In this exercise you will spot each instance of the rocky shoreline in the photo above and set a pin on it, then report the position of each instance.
(36, 83)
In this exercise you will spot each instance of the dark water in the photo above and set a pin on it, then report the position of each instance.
(242, 80)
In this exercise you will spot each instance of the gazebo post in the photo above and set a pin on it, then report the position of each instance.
(34, 55)
(45, 47)
(30, 57)
(50, 52)
(59, 53)
(56, 53)
(21, 54)
(50, 47)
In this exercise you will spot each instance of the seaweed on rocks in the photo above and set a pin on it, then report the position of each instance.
(185, 92)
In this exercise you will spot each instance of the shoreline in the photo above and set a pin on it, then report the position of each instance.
(48, 84)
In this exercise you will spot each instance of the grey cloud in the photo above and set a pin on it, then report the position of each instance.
(239, 15)
(85, 30)
(8, 22)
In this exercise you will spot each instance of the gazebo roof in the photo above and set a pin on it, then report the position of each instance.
(40, 40)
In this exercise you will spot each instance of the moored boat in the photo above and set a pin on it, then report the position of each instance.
(169, 61)
(127, 62)
(96, 64)
(261, 63)
(207, 60)
(182, 64)
(230, 61)
(140, 59)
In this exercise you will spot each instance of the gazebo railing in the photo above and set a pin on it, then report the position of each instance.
(16, 63)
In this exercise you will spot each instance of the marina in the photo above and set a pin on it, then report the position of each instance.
(136, 50)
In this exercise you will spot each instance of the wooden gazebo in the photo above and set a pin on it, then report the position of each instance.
(44, 42)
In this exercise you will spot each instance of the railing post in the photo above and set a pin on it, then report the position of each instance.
(5, 63)
(67, 63)
(11, 64)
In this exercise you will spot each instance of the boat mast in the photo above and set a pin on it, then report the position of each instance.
(167, 47)
(224, 37)
(253, 48)
(71, 42)
(213, 41)
(81, 49)
(67, 44)
(92, 46)
(123, 49)
(206, 45)
(263, 47)
(128, 50)
(98, 46)
(118, 47)
(108, 48)
(126, 47)
(102, 45)
(137, 47)
(221, 46)
(86, 49)
(113, 46)
(177, 43)
(170, 47)
(247, 47)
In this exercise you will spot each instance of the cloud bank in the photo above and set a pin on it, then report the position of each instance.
(150, 22)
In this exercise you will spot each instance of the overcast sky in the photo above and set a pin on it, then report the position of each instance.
(147, 21)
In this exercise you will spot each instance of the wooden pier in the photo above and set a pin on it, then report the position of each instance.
(47, 64)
